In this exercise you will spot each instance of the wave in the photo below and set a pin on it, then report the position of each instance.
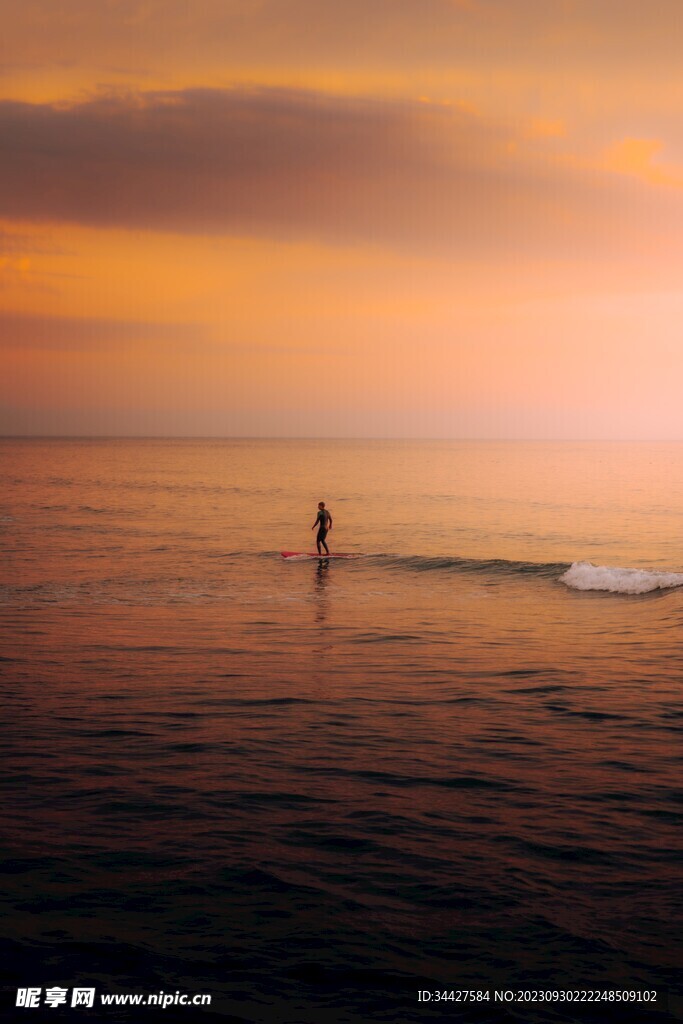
(586, 576)
(576, 576)
(503, 566)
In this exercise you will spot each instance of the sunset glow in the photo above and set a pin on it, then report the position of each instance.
(453, 218)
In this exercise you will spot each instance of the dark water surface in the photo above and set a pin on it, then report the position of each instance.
(313, 789)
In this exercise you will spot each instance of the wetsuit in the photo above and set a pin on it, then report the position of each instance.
(323, 518)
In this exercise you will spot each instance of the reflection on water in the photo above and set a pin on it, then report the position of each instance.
(321, 596)
(313, 787)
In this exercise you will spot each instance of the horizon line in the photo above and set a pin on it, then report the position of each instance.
(335, 437)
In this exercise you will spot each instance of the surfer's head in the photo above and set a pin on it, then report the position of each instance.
(321, 504)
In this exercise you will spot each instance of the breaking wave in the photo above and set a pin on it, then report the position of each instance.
(586, 576)
(577, 575)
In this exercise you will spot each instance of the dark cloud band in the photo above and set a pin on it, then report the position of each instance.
(282, 163)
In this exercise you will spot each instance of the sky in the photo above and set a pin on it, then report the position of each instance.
(375, 218)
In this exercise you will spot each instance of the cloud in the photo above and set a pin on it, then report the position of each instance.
(26, 331)
(285, 163)
(19, 243)
(640, 157)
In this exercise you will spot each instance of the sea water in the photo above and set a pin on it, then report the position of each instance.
(317, 789)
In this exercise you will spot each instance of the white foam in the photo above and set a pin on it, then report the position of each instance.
(586, 576)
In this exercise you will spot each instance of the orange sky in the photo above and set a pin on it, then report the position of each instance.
(436, 218)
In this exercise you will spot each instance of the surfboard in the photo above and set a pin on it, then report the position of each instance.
(314, 554)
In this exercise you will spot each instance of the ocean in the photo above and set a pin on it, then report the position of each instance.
(438, 781)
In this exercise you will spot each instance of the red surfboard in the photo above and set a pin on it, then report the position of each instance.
(314, 554)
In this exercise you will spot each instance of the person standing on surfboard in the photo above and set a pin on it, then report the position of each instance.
(323, 521)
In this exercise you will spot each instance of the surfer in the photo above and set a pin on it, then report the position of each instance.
(323, 521)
